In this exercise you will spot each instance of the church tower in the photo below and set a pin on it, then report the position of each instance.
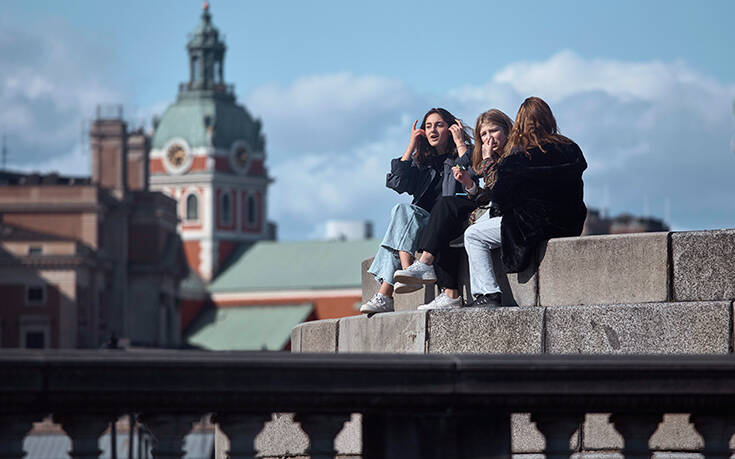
(209, 154)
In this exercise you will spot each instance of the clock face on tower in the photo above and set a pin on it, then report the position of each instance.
(241, 154)
(177, 156)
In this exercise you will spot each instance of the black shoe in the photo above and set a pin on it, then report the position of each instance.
(489, 300)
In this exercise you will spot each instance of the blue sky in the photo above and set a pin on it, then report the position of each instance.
(645, 88)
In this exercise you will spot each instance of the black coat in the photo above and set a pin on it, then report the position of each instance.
(540, 198)
(415, 179)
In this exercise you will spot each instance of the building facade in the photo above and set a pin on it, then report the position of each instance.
(208, 153)
(86, 261)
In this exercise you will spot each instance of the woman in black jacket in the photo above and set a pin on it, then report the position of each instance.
(425, 172)
(539, 193)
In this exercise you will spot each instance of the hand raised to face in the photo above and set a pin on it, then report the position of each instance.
(413, 139)
(456, 130)
(488, 145)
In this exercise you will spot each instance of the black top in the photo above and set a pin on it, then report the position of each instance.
(429, 180)
(540, 197)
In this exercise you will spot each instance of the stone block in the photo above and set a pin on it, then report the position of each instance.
(525, 437)
(281, 436)
(296, 338)
(369, 284)
(628, 268)
(676, 433)
(599, 433)
(402, 302)
(519, 289)
(402, 332)
(656, 328)
(315, 336)
(703, 265)
(507, 330)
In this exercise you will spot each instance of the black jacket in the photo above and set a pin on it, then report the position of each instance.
(415, 179)
(540, 198)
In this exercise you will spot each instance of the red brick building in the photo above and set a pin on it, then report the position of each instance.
(86, 260)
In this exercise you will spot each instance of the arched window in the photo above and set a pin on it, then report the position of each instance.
(252, 211)
(192, 207)
(226, 210)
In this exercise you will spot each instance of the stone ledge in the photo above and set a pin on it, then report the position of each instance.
(703, 265)
(315, 336)
(651, 328)
(629, 268)
(395, 332)
(477, 330)
(645, 328)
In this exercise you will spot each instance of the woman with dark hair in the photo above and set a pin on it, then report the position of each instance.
(539, 194)
(439, 262)
(425, 172)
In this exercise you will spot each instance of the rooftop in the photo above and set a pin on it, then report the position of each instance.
(270, 265)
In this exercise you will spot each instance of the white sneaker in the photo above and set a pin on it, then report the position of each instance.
(378, 303)
(442, 302)
(400, 287)
(417, 273)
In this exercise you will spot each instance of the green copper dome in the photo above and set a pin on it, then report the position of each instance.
(205, 107)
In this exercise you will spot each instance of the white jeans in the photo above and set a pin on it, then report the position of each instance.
(479, 239)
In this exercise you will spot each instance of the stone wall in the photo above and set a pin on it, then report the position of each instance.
(650, 293)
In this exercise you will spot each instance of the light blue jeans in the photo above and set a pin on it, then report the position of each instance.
(479, 239)
(407, 222)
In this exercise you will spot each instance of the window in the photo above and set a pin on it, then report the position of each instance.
(252, 211)
(217, 72)
(194, 68)
(226, 210)
(35, 340)
(192, 207)
(35, 250)
(36, 295)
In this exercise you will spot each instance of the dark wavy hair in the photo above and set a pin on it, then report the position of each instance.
(423, 149)
(494, 116)
(535, 125)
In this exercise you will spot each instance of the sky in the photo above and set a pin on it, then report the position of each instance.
(645, 88)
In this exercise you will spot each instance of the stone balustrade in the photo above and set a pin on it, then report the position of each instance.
(412, 406)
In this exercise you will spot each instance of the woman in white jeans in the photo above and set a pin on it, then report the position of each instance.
(538, 193)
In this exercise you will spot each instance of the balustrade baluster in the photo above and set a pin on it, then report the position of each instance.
(169, 432)
(636, 430)
(716, 431)
(13, 428)
(321, 429)
(84, 430)
(558, 429)
(241, 430)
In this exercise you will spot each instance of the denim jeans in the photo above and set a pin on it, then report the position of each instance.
(407, 221)
(479, 239)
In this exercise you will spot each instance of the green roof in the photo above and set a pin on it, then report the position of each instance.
(246, 327)
(188, 117)
(269, 265)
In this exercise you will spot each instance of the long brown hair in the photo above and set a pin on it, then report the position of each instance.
(493, 116)
(535, 125)
(424, 149)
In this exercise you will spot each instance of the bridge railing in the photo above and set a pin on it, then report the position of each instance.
(412, 406)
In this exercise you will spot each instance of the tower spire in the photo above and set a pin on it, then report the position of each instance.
(206, 56)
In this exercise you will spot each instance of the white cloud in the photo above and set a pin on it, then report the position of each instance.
(653, 132)
(329, 113)
(50, 82)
